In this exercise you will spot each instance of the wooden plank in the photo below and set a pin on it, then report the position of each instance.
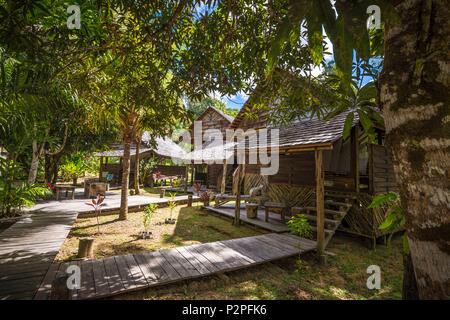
(235, 245)
(135, 270)
(287, 249)
(87, 288)
(125, 273)
(144, 263)
(185, 262)
(113, 275)
(152, 262)
(202, 259)
(170, 257)
(232, 257)
(297, 241)
(170, 271)
(100, 278)
(203, 270)
(252, 248)
(208, 252)
(45, 288)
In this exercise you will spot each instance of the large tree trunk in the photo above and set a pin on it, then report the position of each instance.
(32, 174)
(414, 94)
(127, 138)
(136, 167)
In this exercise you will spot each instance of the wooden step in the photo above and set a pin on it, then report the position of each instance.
(340, 195)
(332, 224)
(338, 204)
(334, 213)
(327, 231)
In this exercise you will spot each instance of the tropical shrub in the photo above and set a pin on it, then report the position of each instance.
(149, 211)
(73, 169)
(16, 195)
(299, 225)
(395, 216)
(97, 204)
(171, 204)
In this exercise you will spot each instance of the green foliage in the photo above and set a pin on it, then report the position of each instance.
(16, 195)
(300, 226)
(395, 217)
(196, 108)
(149, 212)
(171, 203)
(73, 168)
(146, 166)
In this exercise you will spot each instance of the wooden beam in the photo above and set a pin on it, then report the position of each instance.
(186, 177)
(370, 164)
(224, 177)
(354, 157)
(237, 209)
(320, 205)
(101, 168)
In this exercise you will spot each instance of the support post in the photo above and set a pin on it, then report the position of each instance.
(320, 205)
(101, 169)
(224, 177)
(354, 160)
(186, 177)
(237, 209)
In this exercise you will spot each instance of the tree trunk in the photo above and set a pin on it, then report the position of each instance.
(32, 174)
(409, 291)
(127, 138)
(48, 169)
(136, 167)
(414, 95)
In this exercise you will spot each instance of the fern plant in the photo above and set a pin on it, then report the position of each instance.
(299, 225)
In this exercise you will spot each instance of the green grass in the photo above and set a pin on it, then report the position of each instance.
(192, 226)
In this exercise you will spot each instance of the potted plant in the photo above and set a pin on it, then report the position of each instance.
(149, 211)
(171, 204)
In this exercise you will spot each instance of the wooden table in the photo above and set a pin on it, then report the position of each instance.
(276, 207)
(67, 189)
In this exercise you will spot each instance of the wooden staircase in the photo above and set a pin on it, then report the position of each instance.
(337, 206)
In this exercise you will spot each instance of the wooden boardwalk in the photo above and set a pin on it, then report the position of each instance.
(120, 274)
(274, 224)
(28, 248)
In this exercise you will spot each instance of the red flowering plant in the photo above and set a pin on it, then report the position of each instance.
(51, 186)
(158, 174)
(97, 204)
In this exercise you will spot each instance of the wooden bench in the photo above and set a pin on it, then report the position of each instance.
(275, 207)
(67, 189)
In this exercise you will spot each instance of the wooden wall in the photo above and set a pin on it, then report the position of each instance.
(382, 170)
(211, 119)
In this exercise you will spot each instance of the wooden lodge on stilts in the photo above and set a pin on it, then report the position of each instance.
(329, 179)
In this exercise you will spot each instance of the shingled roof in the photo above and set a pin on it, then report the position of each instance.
(314, 131)
(305, 133)
(164, 147)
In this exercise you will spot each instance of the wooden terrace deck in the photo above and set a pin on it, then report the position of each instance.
(120, 274)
